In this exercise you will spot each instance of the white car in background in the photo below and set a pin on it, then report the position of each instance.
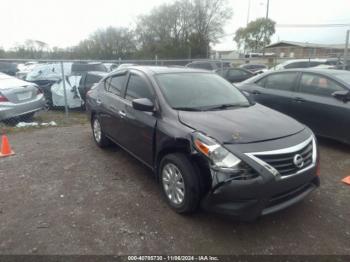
(298, 63)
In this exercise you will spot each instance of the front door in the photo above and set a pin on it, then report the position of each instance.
(138, 129)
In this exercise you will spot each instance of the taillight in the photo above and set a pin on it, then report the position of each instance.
(3, 98)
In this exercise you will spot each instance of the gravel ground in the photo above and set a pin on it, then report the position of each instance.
(60, 194)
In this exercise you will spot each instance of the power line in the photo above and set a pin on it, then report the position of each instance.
(312, 25)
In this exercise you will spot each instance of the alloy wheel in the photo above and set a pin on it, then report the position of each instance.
(173, 184)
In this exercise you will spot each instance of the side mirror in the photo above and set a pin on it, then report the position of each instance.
(143, 104)
(342, 95)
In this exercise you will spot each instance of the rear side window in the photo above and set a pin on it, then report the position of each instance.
(115, 84)
(137, 88)
(280, 81)
(318, 85)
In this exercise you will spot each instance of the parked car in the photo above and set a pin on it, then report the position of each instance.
(49, 76)
(299, 63)
(122, 66)
(8, 68)
(88, 80)
(110, 66)
(206, 142)
(235, 75)
(19, 98)
(25, 69)
(254, 67)
(208, 65)
(80, 68)
(319, 98)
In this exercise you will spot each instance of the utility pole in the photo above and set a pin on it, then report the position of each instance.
(346, 50)
(248, 15)
(267, 9)
(267, 17)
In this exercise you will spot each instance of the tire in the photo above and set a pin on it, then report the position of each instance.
(188, 182)
(97, 133)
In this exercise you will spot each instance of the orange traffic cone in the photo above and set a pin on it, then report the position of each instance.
(346, 180)
(5, 147)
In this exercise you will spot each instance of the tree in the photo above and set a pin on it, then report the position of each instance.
(256, 35)
(109, 43)
(173, 30)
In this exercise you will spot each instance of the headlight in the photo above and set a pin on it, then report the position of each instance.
(219, 156)
(224, 165)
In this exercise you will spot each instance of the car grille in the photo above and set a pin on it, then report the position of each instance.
(284, 163)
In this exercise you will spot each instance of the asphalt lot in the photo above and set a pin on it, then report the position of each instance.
(61, 194)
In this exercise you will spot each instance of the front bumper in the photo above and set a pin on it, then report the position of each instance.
(10, 110)
(249, 199)
(268, 192)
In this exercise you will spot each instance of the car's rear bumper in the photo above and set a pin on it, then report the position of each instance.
(249, 199)
(10, 110)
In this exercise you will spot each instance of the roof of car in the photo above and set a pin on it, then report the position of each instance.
(317, 70)
(166, 69)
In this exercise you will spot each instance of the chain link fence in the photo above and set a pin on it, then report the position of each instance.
(53, 92)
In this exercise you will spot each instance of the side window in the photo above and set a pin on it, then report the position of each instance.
(281, 81)
(137, 88)
(261, 82)
(236, 73)
(91, 79)
(116, 84)
(207, 66)
(318, 85)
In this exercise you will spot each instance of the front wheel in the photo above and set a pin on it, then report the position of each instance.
(99, 137)
(180, 183)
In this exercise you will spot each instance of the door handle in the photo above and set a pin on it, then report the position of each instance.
(299, 100)
(122, 114)
(256, 92)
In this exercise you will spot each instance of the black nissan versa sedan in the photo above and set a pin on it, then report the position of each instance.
(205, 141)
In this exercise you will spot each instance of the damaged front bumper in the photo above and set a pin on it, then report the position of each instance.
(251, 198)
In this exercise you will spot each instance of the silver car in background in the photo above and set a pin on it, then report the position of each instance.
(19, 98)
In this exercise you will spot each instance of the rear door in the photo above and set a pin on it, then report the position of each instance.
(275, 90)
(110, 102)
(137, 131)
(318, 109)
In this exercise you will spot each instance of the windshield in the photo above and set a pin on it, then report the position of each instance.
(199, 91)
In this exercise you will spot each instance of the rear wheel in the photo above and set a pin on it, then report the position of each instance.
(180, 183)
(99, 137)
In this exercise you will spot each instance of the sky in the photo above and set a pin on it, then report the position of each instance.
(64, 23)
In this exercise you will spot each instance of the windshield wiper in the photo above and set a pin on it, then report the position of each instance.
(225, 106)
(195, 109)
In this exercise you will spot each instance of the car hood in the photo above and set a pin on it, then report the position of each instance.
(242, 125)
